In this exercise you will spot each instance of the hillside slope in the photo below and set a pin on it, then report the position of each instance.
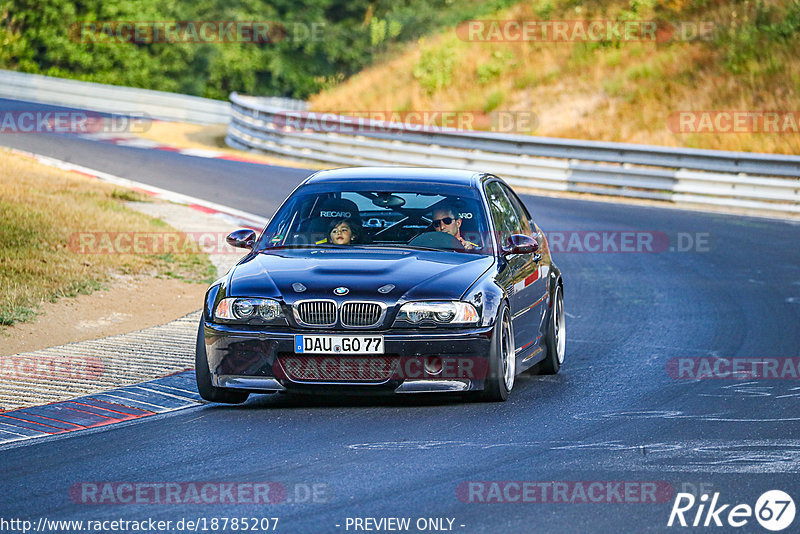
(614, 90)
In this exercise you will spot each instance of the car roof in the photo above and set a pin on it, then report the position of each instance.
(401, 174)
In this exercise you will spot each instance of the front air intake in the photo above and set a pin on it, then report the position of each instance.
(316, 312)
(361, 314)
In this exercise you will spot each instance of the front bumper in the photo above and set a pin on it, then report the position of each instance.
(260, 360)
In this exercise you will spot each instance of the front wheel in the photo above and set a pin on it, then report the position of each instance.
(502, 360)
(556, 336)
(207, 390)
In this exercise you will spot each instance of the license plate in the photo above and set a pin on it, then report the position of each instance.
(304, 344)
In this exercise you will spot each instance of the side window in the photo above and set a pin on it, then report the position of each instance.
(519, 209)
(506, 220)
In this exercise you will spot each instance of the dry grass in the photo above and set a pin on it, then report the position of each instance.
(40, 207)
(618, 92)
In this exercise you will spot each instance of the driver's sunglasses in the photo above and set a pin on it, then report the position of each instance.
(446, 220)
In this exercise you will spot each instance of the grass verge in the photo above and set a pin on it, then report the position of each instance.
(40, 208)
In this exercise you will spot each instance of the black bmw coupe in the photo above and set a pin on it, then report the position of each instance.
(385, 280)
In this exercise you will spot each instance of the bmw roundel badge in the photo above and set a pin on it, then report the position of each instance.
(341, 291)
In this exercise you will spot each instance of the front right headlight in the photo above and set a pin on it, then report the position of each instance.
(246, 310)
(438, 313)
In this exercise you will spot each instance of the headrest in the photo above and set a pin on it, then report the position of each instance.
(337, 208)
(333, 209)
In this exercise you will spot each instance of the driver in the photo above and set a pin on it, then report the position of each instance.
(444, 220)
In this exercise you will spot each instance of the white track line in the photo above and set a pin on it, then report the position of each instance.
(243, 217)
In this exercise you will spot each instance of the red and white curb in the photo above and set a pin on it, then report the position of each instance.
(235, 216)
(165, 394)
(138, 142)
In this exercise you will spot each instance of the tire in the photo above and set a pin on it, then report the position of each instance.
(203, 375)
(502, 359)
(556, 337)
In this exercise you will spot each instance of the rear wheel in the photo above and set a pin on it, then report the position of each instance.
(502, 360)
(208, 391)
(556, 337)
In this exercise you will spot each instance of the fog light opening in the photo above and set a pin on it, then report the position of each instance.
(433, 365)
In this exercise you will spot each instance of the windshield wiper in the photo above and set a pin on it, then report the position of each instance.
(320, 245)
(283, 247)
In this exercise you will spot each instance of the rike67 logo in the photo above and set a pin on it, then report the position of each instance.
(774, 510)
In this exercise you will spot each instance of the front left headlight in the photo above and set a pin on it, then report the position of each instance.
(247, 310)
(438, 313)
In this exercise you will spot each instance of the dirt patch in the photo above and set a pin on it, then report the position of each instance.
(129, 303)
(208, 137)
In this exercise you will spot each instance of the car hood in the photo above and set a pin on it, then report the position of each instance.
(416, 275)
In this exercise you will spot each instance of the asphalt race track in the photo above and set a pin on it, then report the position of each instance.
(613, 414)
(211, 179)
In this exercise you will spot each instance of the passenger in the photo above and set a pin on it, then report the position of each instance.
(342, 232)
(444, 220)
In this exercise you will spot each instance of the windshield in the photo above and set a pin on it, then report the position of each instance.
(425, 216)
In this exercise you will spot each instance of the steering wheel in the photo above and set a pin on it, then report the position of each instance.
(441, 240)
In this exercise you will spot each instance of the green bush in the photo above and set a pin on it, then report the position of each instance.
(493, 101)
(755, 40)
(40, 36)
(496, 66)
(434, 70)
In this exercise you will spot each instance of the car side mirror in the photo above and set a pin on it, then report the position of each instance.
(520, 244)
(242, 239)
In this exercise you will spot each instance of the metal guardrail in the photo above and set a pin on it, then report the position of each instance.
(735, 179)
(124, 100)
(112, 98)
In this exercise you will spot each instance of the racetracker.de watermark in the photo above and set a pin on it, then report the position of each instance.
(377, 368)
(150, 243)
(734, 121)
(533, 30)
(177, 492)
(203, 492)
(387, 121)
(195, 31)
(23, 367)
(712, 367)
(559, 241)
(71, 122)
(566, 491)
(626, 241)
